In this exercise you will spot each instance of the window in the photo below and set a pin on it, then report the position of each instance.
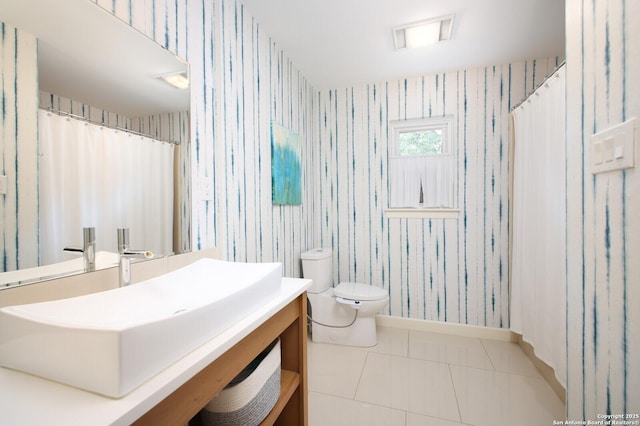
(422, 166)
(421, 142)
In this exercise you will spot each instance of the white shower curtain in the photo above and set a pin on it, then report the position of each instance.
(538, 276)
(93, 176)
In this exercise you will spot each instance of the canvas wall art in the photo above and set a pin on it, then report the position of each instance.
(286, 166)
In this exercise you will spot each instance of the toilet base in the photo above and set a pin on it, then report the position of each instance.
(362, 333)
(326, 312)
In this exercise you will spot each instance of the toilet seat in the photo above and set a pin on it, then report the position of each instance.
(357, 291)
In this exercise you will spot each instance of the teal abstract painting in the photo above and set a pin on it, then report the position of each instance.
(286, 166)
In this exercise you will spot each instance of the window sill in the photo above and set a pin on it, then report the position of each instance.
(418, 213)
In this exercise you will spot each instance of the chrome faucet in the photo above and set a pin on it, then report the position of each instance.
(126, 254)
(88, 249)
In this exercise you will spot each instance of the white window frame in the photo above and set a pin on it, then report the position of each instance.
(446, 124)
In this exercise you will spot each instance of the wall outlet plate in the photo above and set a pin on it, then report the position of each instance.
(614, 148)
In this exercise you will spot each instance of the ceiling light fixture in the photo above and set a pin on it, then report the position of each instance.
(423, 33)
(179, 80)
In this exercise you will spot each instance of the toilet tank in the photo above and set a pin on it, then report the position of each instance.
(316, 265)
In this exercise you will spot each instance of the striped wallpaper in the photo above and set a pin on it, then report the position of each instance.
(453, 270)
(603, 272)
(18, 144)
(240, 82)
(259, 84)
(447, 270)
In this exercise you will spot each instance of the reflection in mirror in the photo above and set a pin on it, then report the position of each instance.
(111, 139)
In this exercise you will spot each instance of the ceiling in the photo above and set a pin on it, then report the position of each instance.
(342, 43)
(334, 43)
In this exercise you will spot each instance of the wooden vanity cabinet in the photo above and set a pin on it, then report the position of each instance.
(290, 324)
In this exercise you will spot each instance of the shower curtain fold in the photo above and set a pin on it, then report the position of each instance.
(538, 269)
(92, 176)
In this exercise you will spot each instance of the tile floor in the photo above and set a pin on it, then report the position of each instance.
(414, 378)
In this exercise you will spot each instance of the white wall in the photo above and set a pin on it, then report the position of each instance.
(453, 270)
(603, 278)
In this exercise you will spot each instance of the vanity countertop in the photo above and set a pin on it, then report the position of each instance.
(26, 399)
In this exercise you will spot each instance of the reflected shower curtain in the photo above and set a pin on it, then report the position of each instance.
(538, 275)
(93, 176)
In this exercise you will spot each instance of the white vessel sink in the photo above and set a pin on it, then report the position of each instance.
(113, 341)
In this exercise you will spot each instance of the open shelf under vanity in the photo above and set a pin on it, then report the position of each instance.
(289, 324)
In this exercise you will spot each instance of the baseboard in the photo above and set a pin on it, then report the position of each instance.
(547, 371)
(447, 328)
(464, 330)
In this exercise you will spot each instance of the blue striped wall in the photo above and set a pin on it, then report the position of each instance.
(19, 161)
(453, 270)
(240, 82)
(258, 84)
(439, 269)
(603, 272)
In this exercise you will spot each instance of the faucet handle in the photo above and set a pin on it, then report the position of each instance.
(123, 239)
(89, 235)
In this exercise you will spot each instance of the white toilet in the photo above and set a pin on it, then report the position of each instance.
(344, 315)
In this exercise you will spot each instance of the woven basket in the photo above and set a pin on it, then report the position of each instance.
(249, 398)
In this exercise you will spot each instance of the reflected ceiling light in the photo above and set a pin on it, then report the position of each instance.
(423, 33)
(179, 80)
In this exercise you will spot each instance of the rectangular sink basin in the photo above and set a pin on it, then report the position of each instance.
(113, 341)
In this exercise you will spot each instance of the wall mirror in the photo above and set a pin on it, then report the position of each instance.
(85, 62)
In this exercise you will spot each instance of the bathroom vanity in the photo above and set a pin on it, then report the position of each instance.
(176, 394)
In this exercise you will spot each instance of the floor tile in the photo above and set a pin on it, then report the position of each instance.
(448, 349)
(327, 410)
(427, 379)
(509, 358)
(391, 341)
(414, 419)
(418, 386)
(489, 398)
(333, 369)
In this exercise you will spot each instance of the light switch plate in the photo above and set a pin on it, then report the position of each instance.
(614, 148)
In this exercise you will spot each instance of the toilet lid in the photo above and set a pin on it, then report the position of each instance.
(357, 291)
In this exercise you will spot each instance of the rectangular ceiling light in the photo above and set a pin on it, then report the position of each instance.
(423, 33)
(179, 80)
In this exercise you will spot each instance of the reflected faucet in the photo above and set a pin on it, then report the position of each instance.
(126, 254)
(88, 249)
